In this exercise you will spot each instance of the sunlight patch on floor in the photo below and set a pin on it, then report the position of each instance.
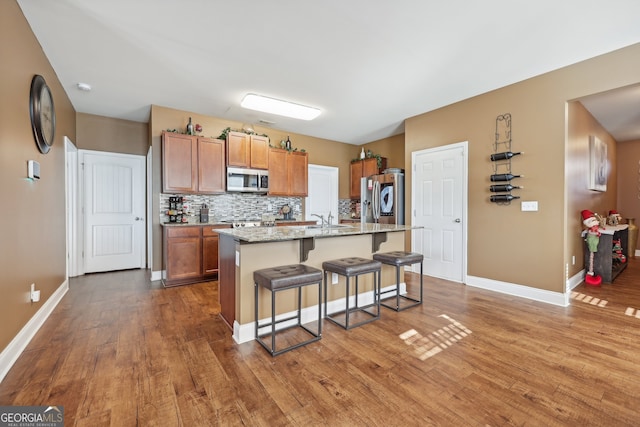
(588, 299)
(436, 341)
(634, 312)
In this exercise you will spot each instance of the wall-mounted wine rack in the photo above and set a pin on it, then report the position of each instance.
(501, 161)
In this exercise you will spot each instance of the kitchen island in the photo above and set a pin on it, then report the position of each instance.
(245, 250)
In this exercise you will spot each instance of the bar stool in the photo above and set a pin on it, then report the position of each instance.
(353, 267)
(400, 259)
(278, 279)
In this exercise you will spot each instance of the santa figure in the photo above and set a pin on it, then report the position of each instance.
(614, 217)
(592, 238)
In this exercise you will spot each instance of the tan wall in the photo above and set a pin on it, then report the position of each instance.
(33, 228)
(628, 167)
(581, 126)
(392, 148)
(115, 135)
(505, 244)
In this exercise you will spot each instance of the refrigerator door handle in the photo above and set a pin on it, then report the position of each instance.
(375, 198)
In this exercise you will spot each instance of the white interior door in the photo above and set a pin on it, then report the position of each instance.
(114, 207)
(323, 193)
(439, 205)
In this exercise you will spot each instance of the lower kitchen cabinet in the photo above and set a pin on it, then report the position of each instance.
(209, 252)
(190, 254)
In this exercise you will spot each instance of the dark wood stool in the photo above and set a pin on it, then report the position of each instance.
(353, 267)
(278, 279)
(400, 259)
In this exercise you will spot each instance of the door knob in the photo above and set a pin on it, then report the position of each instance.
(457, 220)
(138, 218)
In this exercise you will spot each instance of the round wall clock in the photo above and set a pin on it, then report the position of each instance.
(43, 115)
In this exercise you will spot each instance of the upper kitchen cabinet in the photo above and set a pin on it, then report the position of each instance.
(360, 169)
(192, 164)
(247, 151)
(288, 173)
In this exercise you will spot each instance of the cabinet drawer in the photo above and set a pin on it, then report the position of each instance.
(210, 230)
(183, 231)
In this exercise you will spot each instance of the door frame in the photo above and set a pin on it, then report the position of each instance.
(72, 213)
(465, 196)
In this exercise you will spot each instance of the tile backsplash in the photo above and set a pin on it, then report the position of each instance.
(236, 206)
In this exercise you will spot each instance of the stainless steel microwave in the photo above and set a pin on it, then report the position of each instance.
(247, 180)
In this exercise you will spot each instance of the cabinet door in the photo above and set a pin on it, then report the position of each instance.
(238, 149)
(210, 255)
(355, 173)
(298, 172)
(211, 171)
(370, 167)
(179, 163)
(259, 157)
(278, 176)
(183, 257)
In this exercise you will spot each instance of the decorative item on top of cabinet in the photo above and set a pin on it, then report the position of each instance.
(501, 159)
(192, 164)
(247, 150)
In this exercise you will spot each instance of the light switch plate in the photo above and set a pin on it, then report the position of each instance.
(530, 206)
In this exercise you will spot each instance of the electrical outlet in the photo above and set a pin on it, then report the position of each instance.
(334, 278)
(531, 206)
(573, 260)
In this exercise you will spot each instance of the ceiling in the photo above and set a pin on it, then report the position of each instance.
(367, 65)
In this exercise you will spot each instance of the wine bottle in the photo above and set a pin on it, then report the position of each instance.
(503, 188)
(504, 177)
(287, 144)
(503, 197)
(190, 127)
(504, 156)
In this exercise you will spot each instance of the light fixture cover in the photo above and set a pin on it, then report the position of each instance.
(281, 108)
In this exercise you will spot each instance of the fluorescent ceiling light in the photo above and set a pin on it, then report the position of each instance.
(281, 108)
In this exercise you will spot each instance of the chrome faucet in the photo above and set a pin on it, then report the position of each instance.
(321, 219)
(329, 218)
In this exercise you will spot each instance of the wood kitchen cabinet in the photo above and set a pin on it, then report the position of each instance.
(192, 164)
(288, 173)
(247, 151)
(183, 255)
(190, 253)
(360, 169)
(210, 240)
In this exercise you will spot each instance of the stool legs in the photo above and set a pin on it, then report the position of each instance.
(398, 296)
(349, 310)
(315, 335)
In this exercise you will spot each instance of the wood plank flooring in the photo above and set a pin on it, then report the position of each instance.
(121, 351)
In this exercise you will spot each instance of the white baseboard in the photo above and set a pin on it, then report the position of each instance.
(156, 275)
(549, 297)
(575, 280)
(17, 345)
(246, 332)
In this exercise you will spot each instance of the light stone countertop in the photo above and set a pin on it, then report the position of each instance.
(274, 234)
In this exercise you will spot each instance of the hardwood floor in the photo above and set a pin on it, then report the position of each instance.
(123, 352)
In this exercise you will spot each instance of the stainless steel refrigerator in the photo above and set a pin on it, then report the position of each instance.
(382, 198)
